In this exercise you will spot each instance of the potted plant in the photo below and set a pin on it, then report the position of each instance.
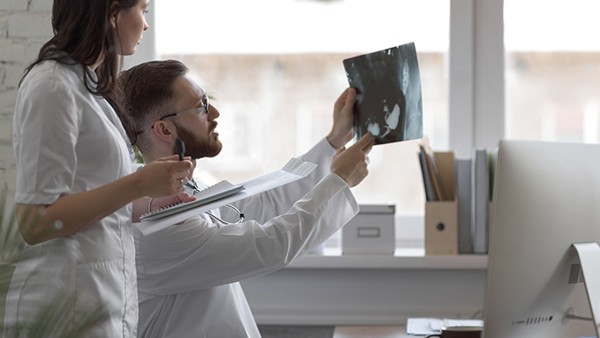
(49, 319)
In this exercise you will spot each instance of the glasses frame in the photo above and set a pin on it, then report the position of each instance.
(199, 110)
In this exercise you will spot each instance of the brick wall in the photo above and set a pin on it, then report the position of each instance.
(24, 27)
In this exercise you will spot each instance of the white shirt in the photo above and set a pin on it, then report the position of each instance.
(188, 273)
(65, 141)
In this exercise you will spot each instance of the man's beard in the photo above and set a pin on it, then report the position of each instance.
(198, 149)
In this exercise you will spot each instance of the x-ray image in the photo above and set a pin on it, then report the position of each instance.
(388, 102)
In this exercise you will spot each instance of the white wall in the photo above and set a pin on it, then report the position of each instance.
(24, 27)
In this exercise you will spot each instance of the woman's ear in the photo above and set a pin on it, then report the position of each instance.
(114, 12)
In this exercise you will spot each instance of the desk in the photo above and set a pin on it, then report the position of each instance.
(370, 332)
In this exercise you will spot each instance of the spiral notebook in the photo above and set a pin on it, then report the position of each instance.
(204, 196)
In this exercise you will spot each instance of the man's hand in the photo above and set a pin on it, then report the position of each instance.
(351, 164)
(343, 119)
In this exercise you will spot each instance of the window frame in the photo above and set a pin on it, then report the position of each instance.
(476, 75)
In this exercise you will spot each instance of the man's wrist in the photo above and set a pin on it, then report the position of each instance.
(335, 142)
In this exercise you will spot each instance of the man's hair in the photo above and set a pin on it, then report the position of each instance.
(147, 92)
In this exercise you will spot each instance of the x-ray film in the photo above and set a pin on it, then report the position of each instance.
(388, 102)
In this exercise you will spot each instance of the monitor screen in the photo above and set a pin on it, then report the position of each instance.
(546, 197)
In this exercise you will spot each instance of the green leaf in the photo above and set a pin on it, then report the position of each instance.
(52, 319)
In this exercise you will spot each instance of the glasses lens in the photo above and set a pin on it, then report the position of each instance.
(205, 102)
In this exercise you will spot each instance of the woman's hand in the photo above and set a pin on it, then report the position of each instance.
(164, 177)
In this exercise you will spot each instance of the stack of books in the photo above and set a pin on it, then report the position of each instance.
(469, 183)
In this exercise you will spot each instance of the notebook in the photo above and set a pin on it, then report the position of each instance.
(204, 196)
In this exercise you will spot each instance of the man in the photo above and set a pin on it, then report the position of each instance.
(189, 273)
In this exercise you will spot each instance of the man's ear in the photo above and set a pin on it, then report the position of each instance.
(164, 130)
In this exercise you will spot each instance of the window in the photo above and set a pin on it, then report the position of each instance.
(274, 68)
(538, 81)
(552, 70)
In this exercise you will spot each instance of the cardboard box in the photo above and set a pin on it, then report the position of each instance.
(371, 231)
(441, 228)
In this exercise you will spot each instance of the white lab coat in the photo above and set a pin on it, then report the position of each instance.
(65, 141)
(188, 273)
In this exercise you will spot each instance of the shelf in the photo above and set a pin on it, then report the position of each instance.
(402, 259)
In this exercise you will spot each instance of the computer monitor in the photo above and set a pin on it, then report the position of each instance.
(546, 197)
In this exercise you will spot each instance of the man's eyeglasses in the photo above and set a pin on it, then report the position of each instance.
(199, 110)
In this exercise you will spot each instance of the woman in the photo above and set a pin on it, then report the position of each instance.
(74, 182)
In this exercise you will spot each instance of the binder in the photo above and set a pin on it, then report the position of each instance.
(441, 228)
(427, 183)
(480, 201)
(441, 219)
(432, 178)
(463, 198)
(445, 163)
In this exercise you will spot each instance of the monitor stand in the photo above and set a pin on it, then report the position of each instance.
(589, 258)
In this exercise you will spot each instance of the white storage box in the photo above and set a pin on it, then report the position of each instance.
(371, 231)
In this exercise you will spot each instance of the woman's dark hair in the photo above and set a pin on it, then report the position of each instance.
(147, 91)
(82, 33)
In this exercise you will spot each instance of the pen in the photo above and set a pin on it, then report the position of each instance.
(192, 185)
(180, 146)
